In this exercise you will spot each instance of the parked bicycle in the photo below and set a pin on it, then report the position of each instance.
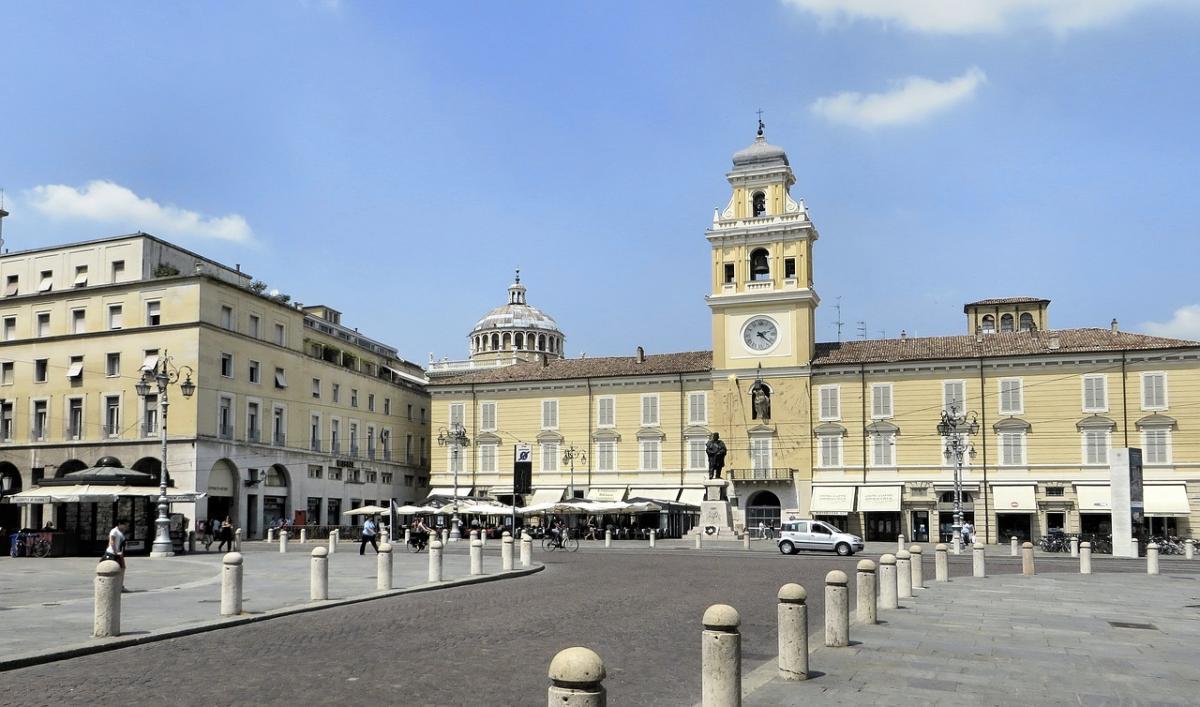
(1054, 543)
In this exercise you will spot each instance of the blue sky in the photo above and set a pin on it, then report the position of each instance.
(398, 160)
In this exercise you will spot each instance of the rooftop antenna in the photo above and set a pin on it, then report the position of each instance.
(862, 330)
(838, 306)
(3, 213)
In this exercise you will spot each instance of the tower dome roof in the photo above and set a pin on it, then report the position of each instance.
(517, 314)
(761, 153)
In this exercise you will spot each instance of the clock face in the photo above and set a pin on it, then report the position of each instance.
(760, 334)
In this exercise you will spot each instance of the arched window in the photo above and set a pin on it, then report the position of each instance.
(519, 341)
(1027, 322)
(541, 342)
(1006, 322)
(759, 204)
(495, 342)
(507, 341)
(989, 324)
(760, 267)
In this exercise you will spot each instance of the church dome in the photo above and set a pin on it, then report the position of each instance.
(761, 153)
(516, 327)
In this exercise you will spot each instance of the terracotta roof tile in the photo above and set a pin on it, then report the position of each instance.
(601, 367)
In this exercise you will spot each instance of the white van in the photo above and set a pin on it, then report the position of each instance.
(796, 535)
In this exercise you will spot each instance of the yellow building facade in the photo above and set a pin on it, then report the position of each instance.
(846, 431)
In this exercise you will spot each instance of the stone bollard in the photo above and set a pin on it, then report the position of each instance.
(888, 597)
(474, 535)
(526, 550)
(333, 540)
(506, 552)
(445, 536)
(1027, 559)
(1013, 546)
(607, 537)
(476, 557)
(435, 561)
(1189, 549)
(318, 575)
(868, 608)
(283, 540)
(721, 658)
(978, 568)
(1074, 546)
(904, 575)
(1152, 558)
(407, 537)
(1085, 558)
(699, 540)
(746, 540)
(941, 564)
(918, 567)
(383, 568)
(231, 584)
(1136, 551)
(106, 619)
(793, 632)
(899, 543)
(483, 538)
(837, 610)
(653, 534)
(237, 540)
(270, 535)
(576, 679)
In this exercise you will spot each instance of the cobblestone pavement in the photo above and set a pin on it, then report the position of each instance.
(484, 644)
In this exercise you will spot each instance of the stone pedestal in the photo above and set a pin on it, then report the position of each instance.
(714, 490)
(716, 518)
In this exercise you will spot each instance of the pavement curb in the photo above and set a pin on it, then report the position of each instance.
(102, 645)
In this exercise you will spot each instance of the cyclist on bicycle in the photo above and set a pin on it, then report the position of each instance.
(560, 533)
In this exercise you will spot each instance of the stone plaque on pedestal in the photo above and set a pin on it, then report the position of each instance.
(716, 518)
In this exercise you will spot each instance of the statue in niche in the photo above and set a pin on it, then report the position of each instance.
(760, 398)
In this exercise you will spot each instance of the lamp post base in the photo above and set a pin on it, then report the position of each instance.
(455, 532)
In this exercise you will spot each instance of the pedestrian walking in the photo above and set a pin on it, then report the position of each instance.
(369, 532)
(225, 535)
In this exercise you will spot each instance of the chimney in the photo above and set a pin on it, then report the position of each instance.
(1115, 329)
(1053, 344)
(641, 355)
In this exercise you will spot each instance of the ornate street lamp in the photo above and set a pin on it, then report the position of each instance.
(163, 375)
(955, 427)
(455, 438)
(570, 455)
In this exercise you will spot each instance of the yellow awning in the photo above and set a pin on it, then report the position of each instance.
(1170, 500)
(879, 498)
(1014, 499)
(832, 500)
(1094, 499)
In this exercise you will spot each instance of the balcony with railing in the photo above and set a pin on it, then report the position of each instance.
(335, 447)
(762, 474)
(354, 449)
(225, 431)
(280, 439)
(253, 435)
(315, 444)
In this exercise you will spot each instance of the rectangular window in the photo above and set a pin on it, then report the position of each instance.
(1095, 447)
(487, 417)
(650, 454)
(278, 427)
(1154, 391)
(316, 388)
(224, 417)
(254, 326)
(422, 420)
(697, 459)
(315, 471)
(549, 414)
(112, 365)
(487, 458)
(697, 408)
(75, 418)
(1010, 397)
(352, 434)
(387, 406)
(370, 402)
(760, 454)
(830, 397)
(789, 268)
(153, 313)
(606, 412)
(456, 458)
(150, 362)
(43, 324)
(606, 455)
(314, 433)
(280, 335)
(550, 456)
(408, 450)
(280, 380)
(40, 418)
(335, 392)
(75, 369)
(254, 372)
(11, 285)
(41, 367)
(226, 366)
(650, 410)
(116, 319)
(954, 395)
(226, 317)
(118, 270)
(370, 442)
(1055, 491)
(881, 400)
(730, 278)
(335, 436)
(354, 397)
(10, 328)
(1095, 393)
(1156, 446)
(78, 321)
(457, 414)
(150, 416)
(1012, 448)
(883, 450)
(112, 415)
(47, 281)
(6, 420)
(831, 450)
(81, 275)
(253, 424)
(7, 375)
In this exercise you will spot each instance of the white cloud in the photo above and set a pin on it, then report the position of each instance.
(1184, 324)
(112, 204)
(913, 99)
(979, 16)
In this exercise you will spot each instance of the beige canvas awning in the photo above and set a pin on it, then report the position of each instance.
(94, 493)
(1168, 500)
(608, 493)
(879, 498)
(1094, 499)
(546, 495)
(832, 500)
(660, 493)
(1014, 499)
(691, 496)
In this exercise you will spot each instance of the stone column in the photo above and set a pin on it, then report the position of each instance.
(904, 575)
(383, 568)
(231, 584)
(1014, 548)
(1027, 568)
(318, 575)
(1152, 558)
(978, 568)
(576, 678)
(435, 561)
(1074, 546)
(526, 549)
(837, 610)
(867, 594)
(476, 557)
(721, 658)
(1189, 549)
(899, 543)
(506, 552)
(941, 564)
(1085, 558)
(106, 618)
(918, 567)
(283, 540)
(237, 540)
(607, 537)
(793, 632)
(304, 536)
(888, 595)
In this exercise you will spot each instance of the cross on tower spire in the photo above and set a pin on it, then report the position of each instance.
(761, 124)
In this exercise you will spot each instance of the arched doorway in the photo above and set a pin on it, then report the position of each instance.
(762, 507)
(222, 491)
(275, 495)
(69, 466)
(152, 466)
